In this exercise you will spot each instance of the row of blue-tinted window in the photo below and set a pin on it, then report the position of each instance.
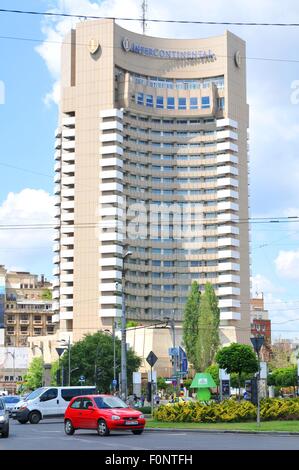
(169, 102)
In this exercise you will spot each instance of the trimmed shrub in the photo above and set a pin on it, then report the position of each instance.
(228, 411)
(197, 412)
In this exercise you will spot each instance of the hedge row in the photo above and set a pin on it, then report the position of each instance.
(228, 411)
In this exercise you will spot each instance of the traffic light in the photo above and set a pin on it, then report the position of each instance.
(251, 390)
(149, 392)
(254, 386)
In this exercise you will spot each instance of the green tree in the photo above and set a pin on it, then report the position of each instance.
(283, 377)
(190, 323)
(96, 351)
(237, 358)
(161, 383)
(208, 328)
(214, 371)
(34, 377)
(54, 369)
(47, 294)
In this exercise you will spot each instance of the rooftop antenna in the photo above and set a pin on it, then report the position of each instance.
(144, 14)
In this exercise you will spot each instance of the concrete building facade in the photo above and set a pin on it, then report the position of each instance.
(25, 310)
(151, 158)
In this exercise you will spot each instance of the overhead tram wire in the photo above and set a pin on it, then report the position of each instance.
(46, 41)
(151, 20)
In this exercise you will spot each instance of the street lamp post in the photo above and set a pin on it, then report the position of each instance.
(257, 343)
(123, 333)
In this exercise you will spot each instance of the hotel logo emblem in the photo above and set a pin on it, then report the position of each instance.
(93, 45)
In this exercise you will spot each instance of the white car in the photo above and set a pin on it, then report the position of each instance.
(47, 402)
(11, 402)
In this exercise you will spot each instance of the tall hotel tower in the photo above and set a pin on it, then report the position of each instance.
(151, 161)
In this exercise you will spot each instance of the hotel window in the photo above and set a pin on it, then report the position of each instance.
(170, 102)
(149, 101)
(205, 102)
(160, 102)
(140, 98)
(182, 103)
(193, 103)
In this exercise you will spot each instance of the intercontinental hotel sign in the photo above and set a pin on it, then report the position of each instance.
(204, 56)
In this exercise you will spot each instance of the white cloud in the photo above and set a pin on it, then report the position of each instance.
(261, 284)
(54, 95)
(287, 264)
(25, 246)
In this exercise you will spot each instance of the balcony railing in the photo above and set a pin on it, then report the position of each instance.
(24, 322)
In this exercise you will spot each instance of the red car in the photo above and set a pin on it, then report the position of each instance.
(104, 413)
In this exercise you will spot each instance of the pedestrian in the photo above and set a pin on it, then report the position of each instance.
(135, 398)
(142, 399)
(157, 399)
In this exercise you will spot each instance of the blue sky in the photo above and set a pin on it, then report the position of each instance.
(29, 115)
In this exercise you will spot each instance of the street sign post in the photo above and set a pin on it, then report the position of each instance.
(151, 360)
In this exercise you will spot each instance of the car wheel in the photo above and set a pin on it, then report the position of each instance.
(34, 417)
(68, 428)
(137, 431)
(103, 429)
(6, 433)
(22, 421)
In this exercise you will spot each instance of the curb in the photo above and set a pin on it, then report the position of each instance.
(225, 431)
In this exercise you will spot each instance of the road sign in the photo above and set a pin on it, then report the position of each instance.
(173, 351)
(82, 378)
(114, 382)
(151, 359)
(60, 351)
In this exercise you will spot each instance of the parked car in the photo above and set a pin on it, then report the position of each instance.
(47, 402)
(10, 402)
(4, 419)
(103, 413)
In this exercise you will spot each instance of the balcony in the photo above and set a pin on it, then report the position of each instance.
(11, 322)
(11, 333)
(24, 322)
(68, 121)
(111, 149)
(24, 333)
(37, 322)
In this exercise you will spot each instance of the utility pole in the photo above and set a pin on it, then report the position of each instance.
(123, 333)
(144, 14)
(114, 356)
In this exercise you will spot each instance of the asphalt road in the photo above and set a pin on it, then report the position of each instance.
(49, 435)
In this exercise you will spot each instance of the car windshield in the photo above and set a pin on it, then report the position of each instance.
(110, 402)
(35, 393)
(11, 399)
